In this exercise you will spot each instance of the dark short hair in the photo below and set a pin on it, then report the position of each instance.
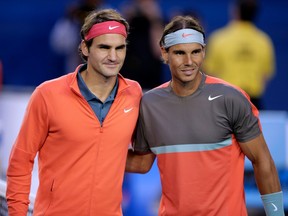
(248, 9)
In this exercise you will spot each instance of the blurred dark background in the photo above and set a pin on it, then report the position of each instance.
(28, 60)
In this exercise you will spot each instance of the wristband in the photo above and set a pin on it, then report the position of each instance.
(273, 204)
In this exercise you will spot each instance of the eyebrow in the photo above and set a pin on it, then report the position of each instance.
(197, 50)
(183, 51)
(121, 46)
(109, 46)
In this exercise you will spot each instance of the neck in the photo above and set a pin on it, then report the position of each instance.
(184, 89)
(100, 86)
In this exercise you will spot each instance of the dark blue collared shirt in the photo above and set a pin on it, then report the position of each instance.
(100, 109)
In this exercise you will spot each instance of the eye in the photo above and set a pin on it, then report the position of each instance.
(178, 52)
(197, 51)
(122, 47)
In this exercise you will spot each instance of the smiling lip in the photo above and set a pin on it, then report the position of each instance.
(112, 66)
(188, 69)
(187, 72)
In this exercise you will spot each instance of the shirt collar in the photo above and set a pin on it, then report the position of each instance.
(87, 94)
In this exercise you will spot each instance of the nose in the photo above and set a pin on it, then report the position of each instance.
(188, 60)
(112, 56)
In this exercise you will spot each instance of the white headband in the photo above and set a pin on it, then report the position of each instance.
(183, 36)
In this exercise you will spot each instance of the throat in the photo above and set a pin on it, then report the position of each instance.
(184, 89)
(101, 88)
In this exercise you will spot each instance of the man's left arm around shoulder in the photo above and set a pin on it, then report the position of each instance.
(139, 163)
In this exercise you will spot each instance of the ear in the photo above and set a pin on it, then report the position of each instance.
(164, 55)
(84, 48)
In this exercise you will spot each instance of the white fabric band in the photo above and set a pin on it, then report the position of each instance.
(183, 36)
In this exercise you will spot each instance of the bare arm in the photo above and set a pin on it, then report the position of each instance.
(265, 172)
(139, 163)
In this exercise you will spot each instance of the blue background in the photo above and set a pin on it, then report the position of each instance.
(28, 59)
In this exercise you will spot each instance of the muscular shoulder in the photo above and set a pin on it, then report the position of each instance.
(221, 85)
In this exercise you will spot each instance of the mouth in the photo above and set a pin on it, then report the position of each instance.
(188, 71)
(112, 65)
